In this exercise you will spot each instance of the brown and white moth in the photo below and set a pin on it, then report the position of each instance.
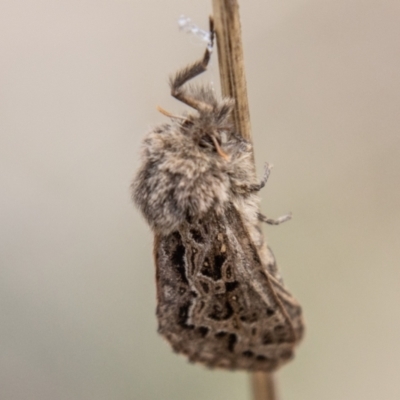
(221, 300)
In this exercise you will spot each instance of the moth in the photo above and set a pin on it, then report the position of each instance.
(221, 300)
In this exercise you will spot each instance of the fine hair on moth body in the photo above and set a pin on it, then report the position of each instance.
(221, 299)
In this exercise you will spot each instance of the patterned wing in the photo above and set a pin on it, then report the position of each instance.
(218, 303)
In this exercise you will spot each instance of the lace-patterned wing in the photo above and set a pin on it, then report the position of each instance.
(218, 303)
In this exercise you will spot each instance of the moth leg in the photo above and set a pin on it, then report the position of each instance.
(190, 72)
(277, 221)
(267, 171)
(264, 179)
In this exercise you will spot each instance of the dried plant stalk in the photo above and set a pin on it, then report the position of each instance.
(263, 386)
(231, 63)
(233, 84)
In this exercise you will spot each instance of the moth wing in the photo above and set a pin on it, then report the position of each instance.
(217, 302)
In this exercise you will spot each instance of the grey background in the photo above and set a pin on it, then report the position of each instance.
(79, 83)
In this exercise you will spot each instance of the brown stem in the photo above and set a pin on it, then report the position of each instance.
(231, 64)
(233, 84)
(263, 386)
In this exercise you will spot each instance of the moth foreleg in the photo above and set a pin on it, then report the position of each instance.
(188, 73)
(264, 179)
(267, 171)
(271, 221)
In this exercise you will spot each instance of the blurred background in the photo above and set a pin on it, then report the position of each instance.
(79, 86)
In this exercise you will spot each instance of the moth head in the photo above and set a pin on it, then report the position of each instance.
(214, 140)
(215, 126)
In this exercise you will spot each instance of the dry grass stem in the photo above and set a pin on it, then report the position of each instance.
(233, 84)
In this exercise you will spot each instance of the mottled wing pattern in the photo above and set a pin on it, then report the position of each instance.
(217, 302)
